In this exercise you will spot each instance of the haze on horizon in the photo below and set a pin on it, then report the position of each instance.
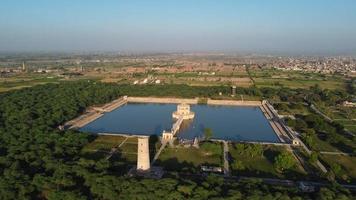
(244, 26)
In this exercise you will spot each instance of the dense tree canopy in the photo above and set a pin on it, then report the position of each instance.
(37, 161)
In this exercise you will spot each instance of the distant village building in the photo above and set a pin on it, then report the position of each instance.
(233, 90)
(24, 67)
(144, 81)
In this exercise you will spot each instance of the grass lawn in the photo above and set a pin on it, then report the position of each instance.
(125, 157)
(321, 145)
(102, 145)
(348, 165)
(127, 153)
(104, 142)
(261, 165)
(344, 144)
(189, 159)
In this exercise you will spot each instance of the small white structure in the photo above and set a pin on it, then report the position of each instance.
(167, 136)
(296, 141)
(144, 81)
(143, 154)
(183, 113)
(183, 110)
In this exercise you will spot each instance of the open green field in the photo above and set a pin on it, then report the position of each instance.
(347, 163)
(127, 152)
(338, 112)
(19, 82)
(321, 145)
(341, 114)
(32, 79)
(276, 73)
(299, 83)
(190, 159)
(104, 142)
(343, 144)
(295, 79)
(102, 145)
(261, 165)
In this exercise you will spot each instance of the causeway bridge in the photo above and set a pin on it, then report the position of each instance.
(176, 125)
(167, 136)
(183, 112)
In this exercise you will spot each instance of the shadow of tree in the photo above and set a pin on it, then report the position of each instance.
(153, 143)
(172, 164)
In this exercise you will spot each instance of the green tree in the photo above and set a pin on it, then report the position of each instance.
(284, 161)
(238, 164)
(313, 158)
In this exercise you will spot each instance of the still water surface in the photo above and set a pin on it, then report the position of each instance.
(227, 122)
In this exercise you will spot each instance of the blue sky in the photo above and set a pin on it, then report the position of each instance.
(260, 26)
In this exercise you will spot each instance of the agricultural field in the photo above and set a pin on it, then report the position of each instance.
(298, 83)
(28, 80)
(31, 79)
(294, 79)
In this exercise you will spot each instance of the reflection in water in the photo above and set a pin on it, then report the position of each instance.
(226, 122)
(185, 125)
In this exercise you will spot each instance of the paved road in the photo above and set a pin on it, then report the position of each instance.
(272, 181)
(336, 153)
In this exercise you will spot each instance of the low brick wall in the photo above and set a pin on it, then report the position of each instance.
(161, 100)
(234, 103)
